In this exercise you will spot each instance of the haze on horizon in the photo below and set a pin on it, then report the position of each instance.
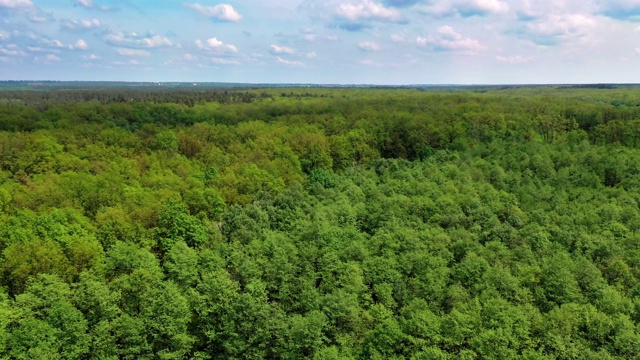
(322, 41)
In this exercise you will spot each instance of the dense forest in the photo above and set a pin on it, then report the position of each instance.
(320, 224)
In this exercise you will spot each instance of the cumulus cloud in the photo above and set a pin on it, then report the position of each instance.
(48, 59)
(221, 12)
(553, 29)
(367, 10)
(481, 7)
(528, 11)
(215, 45)
(189, 57)
(183, 58)
(289, 62)
(466, 8)
(306, 34)
(136, 41)
(81, 25)
(12, 51)
(223, 61)
(132, 52)
(38, 49)
(90, 4)
(449, 40)
(369, 46)
(81, 44)
(125, 63)
(26, 8)
(275, 49)
(352, 15)
(312, 55)
(92, 57)
(16, 4)
(56, 46)
(621, 9)
(38, 16)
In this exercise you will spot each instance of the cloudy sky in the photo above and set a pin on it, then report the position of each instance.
(322, 41)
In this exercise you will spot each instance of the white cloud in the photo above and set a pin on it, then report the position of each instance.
(85, 3)
(447, 39)
(466, 8)
(223, 61)
(308, 35)
(480, 7)
(275, 49)
(370, 62)
(11, 52)
(156, 41)
(213, 44)
(553, 29)
(52, 58)
(27, 9)
(189, 57)
(514, 59)
(137, 41)
(55, 46)
(367, 10)
(90, 4)
(289, 62)
(312, 55)
(369, 46)
(16, 4)
(181, 59)
(352, 15)
(78, 25)
(124, 63)
(49, 59)
(92, 57)
(41, 49)
(397, 37)
(36, 15)
(81, 44)
(132, 52)
(221, 12)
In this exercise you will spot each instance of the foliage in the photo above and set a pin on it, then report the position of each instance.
(321, 223)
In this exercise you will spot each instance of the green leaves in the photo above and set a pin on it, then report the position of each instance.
(175, 225)
(48, 325)
(493, 228)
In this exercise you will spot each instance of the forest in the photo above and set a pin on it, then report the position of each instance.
(320, 223)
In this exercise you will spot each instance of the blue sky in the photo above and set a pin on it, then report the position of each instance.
(322, 41)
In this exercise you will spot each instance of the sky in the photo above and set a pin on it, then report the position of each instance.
(392, 42)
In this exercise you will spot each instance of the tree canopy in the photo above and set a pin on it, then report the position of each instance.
(320, 224)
